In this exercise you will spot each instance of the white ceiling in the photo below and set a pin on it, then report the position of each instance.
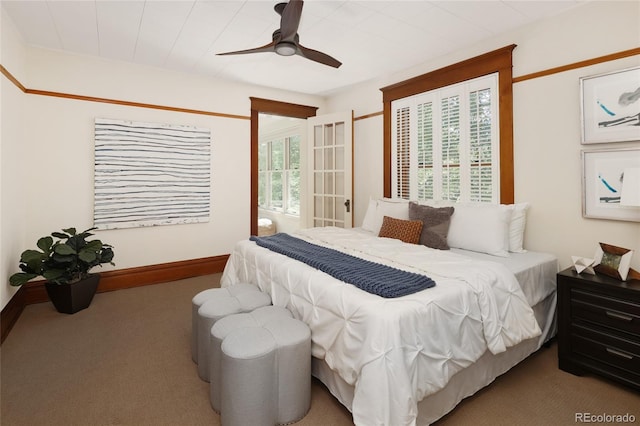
(371, 38)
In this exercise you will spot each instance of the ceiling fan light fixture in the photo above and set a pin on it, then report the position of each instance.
(285, 48)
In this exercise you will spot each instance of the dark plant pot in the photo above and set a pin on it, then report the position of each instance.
(71, 298)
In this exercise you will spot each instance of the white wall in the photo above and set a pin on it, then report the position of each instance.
(546, 124)
(12, 159)
(51, 139)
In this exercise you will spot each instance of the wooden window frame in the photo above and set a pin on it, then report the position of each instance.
(498, 61)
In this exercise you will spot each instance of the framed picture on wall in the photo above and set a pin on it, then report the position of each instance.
(610, 105)
(611, 184)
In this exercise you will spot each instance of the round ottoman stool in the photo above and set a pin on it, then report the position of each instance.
(221, 329)
(293, 341)
(289, 398)
(220, 306)
(248, 360)
(202, 297)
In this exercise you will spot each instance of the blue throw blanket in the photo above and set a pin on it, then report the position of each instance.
(371, 277)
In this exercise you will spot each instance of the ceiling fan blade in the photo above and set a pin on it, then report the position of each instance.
(316, 56)
(290, 19)
(266, 48)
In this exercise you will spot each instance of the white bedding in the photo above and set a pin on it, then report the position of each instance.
(535, 271)
(393, 351)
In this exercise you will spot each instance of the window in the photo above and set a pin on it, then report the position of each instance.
(279, 173)
(445, 143)
(498, 61)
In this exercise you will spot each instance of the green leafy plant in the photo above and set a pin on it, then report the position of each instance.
(63, 261)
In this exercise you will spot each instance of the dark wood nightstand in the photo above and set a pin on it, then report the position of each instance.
(599, 326)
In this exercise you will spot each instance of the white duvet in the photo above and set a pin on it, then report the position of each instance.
(393, 351)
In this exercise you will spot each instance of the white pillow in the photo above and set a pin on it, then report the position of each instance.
(369, 221)
(378, 209)
(481, 227)
(516, 227)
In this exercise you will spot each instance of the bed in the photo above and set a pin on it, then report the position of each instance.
(411, 359)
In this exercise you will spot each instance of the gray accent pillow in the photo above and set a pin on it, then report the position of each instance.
(435, 224)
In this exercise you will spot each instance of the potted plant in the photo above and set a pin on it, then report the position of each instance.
(65, 264)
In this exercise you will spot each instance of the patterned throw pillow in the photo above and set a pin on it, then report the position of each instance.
(404, 230)
(435, 221)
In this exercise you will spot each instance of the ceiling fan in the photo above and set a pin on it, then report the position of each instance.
(286, 41)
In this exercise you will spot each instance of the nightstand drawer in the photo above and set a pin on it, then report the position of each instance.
(606, 348)
(608, 311)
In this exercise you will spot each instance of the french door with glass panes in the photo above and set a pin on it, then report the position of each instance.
(330, 139)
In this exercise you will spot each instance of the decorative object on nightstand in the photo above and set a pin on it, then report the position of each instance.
(583, 264)
(612, 261)
(599, 326)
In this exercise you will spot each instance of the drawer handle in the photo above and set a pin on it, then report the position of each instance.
(619, 353)
(619, 316)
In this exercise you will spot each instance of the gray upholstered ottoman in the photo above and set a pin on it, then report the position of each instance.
(266, 374)
(228, 301)
(222, 328)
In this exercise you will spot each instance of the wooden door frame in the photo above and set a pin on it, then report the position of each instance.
(267, 106)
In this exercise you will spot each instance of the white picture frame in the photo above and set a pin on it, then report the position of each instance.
(602, 172)
(610, 107)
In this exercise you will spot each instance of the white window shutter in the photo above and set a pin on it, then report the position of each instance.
(445, 143)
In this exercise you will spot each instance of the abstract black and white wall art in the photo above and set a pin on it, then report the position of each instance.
(149, 174)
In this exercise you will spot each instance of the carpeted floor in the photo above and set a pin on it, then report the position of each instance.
(126, 360)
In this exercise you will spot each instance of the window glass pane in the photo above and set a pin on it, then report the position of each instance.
(328, 134)
(293, 192)
(294, 152)
(262, 189)
(262, 156)
(339, 158)
(318, 188)
(328, 183)
(276, 190)
(277, 154)
(328, 158)
(340, 129)
(317, 206)
(328, 207)
(339, 183)
(340, 209)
